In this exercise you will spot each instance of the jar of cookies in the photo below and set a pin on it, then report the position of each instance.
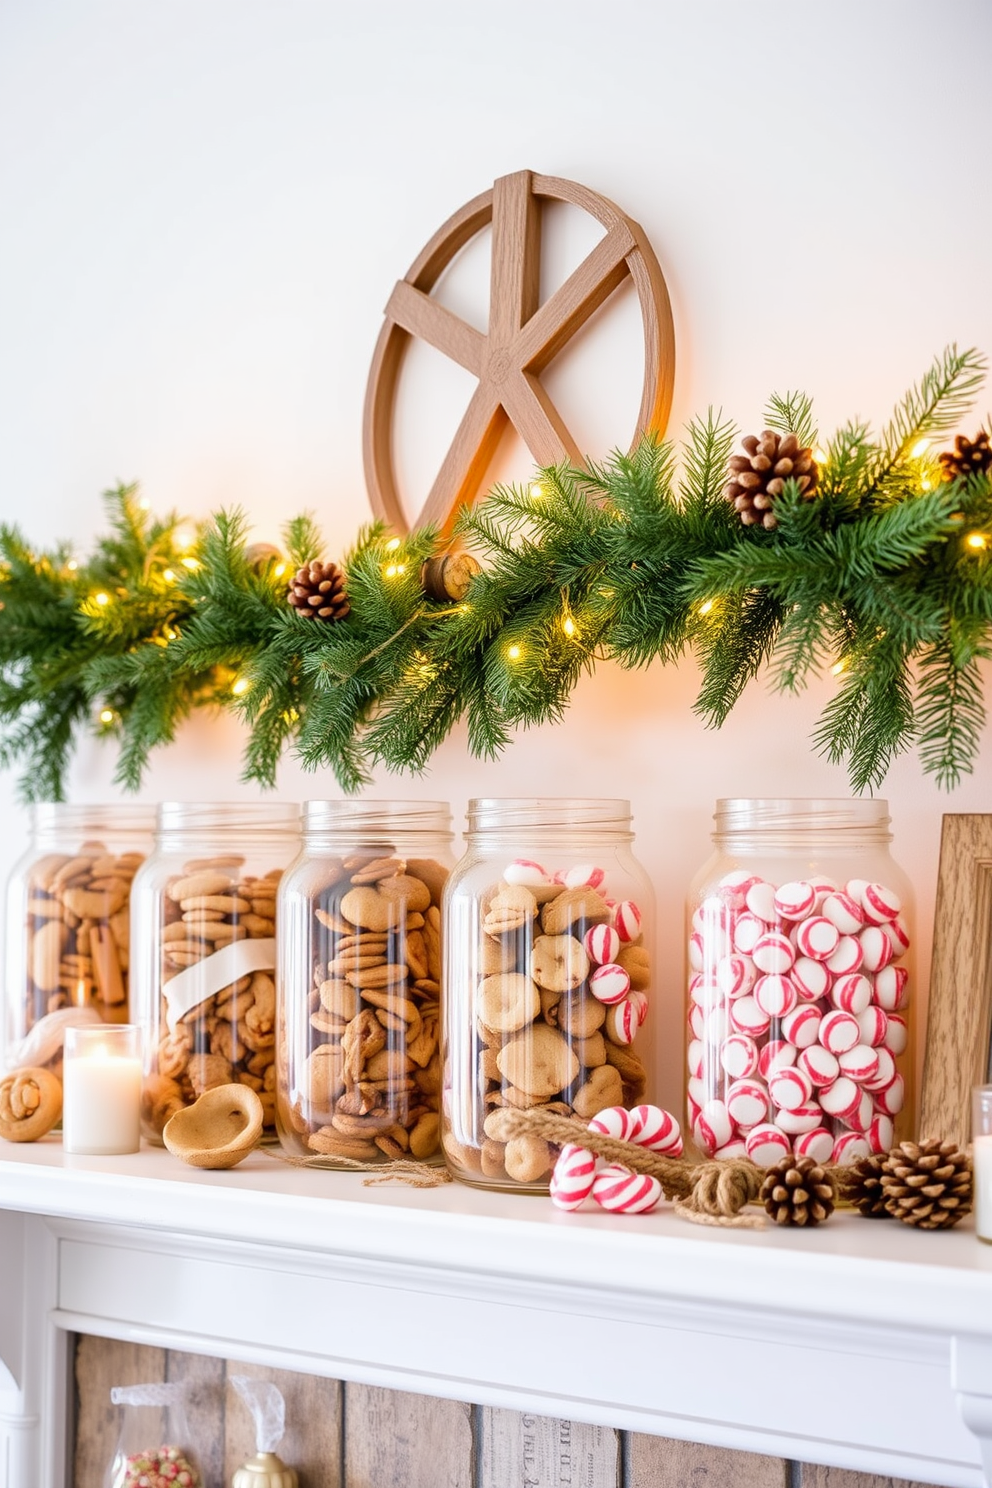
(68, 929)
(359, 980)
(799, 1032)
(204, 936)
(548, 926)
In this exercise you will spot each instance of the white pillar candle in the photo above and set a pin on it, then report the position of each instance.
(101, 1097)
(982, 1157)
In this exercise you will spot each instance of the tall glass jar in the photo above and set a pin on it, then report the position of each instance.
(799, 1036)
(68, 930)
(359, 980)
(548, 970)
(204, 928)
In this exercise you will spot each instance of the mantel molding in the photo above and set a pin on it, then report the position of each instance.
(644, 1323)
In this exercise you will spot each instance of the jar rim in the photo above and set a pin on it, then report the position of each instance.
(368, 814)
(193, 817)
(501, 814)
(118, 816)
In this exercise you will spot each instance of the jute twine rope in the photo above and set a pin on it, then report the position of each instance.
(396, 1170)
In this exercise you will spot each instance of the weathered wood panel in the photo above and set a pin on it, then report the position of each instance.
(813, 1476)
(657, 1462)
(312, 1443)
(397, 1440)
(102, 1363)
(545, 1452)
(204, 1381)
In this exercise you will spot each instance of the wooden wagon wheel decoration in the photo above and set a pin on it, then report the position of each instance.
(523, 337)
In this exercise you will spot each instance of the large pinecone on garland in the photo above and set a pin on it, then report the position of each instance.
(927, 1184)
(759, 476)
(862, 1186)
(968, 457)
(317, 589)
(798, 1191)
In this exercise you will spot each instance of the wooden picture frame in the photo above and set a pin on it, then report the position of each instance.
(959, 1024)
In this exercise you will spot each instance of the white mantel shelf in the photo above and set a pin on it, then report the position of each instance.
(861, 1344)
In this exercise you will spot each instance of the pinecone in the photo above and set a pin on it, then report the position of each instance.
(927, 1184)
(760, 475)
(798, 1191)
(968, 457)
(861, 1186)
(317, 590)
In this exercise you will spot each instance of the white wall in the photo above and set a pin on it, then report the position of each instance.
(205, 204)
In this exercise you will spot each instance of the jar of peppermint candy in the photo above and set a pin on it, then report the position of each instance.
(799, 1028)
(548, 981)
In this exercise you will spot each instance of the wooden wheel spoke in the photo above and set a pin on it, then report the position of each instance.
(538, 421)
(415, 312)
(571, 305)
(516, 258)
(464, 466)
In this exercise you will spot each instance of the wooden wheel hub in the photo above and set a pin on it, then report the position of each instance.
(522, 339)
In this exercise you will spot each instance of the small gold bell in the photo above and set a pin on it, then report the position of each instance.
(266, 1470)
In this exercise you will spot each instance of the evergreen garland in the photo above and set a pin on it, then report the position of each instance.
(884, 577)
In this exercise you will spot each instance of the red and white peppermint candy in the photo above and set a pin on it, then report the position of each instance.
(881, 1134)
(738, 1055)
(760, 900)
(896, 1037)
(794, 901)
(810, 978)
(842, 1098)
(694, 1057)
(899, 935)
(766, 1144)
(817, 938)
(819, 1065)
(860, 1118)
(583, 876)
(776, 1054)
(892, 988)
(802, 1025)
(601, 944)
(844, 912)
(874, 1025)
(849, 1147)
(885, 1074)
(790, 1088)
(613, 1121)
(775, 995)
(747, 1017)
(748, 930)
(524, 871)
(622, 1021)
(877, 949)
(639, 1000)
(735, 975)
(851, 993)
(622, 1192)
(880, 904)
(839, 1031)
(735, 1149)
(747, 1102)
(891, 1100)
(609, 983)
(861, 1062)
(627, 920)
(804, 1118)
(817, 1144)
(716, 1023)
(573, 1176)
(697, 950)
(846, 956)
(697, 1020)
(773, 952)
(714, 1127)
(733, 887)
(655, 1129)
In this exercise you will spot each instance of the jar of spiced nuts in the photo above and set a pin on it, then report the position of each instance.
(204, 928)
(68, 931)
(548, 924)
(799, 1037)
(359, 981)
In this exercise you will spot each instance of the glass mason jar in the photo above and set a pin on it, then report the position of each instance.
(204, 927)
(68, 930)
(548, 928)
(359, 981)
(799, 1036)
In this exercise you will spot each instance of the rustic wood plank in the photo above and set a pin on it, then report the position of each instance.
(657, 1462)
(100, 1364)
(204, 1381)
(312, 1443)
(397, 1440)
(813, 1476)
(545, 1452)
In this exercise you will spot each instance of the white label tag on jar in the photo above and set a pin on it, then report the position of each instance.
(211, 975)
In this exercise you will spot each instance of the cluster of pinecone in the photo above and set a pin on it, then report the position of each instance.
(924, 1184)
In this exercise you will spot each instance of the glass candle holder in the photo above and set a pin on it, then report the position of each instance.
(101, 1106)
(982, 1135)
